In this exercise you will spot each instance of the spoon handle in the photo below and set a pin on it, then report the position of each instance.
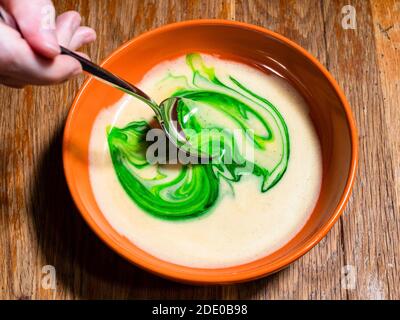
(105, 75)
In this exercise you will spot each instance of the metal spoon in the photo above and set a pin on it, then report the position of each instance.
(166, 112)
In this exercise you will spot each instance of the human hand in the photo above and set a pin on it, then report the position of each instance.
(30, 38)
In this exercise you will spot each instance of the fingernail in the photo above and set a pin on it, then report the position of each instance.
(53, 48)
(91, 36)
(76, 72)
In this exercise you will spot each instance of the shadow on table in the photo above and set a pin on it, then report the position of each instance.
(85, 267)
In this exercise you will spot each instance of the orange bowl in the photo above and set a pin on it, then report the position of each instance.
(253, 45)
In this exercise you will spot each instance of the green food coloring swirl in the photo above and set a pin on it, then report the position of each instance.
(216, 114)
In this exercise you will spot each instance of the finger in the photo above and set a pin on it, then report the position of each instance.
(82, 36)
(10, 41)
(20, 63)
(44, 72)
(34, 69)
(9, 82)
(36, 21)
(66, 26)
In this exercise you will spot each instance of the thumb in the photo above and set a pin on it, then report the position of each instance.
(36, 22)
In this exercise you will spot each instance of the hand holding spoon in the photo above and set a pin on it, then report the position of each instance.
(166, 112)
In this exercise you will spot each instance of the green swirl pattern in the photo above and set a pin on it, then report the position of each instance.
(246, 131)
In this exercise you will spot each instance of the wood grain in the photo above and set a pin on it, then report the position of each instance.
(39, 224)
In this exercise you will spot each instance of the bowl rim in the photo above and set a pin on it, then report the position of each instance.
(250, 274)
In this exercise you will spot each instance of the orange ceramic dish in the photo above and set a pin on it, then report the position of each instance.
(254, 45)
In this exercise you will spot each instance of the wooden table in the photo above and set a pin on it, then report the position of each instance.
(40, 225)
